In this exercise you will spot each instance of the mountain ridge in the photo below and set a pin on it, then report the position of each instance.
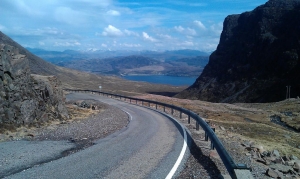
(257, 57)
(174, 63)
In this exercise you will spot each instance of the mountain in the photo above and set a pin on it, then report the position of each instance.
(81, 80)
(136, 64)
(177, 63)
(36, 64)
(67, 55)
(257, 57)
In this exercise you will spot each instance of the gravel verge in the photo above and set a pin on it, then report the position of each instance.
(36, 146)
(203, 163)
(83, 132)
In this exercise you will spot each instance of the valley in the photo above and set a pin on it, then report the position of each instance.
(171, 63)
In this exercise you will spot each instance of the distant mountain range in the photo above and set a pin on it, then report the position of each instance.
(179, 62)
(80, 80)
(164, 55)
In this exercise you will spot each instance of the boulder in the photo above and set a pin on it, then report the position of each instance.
(296, 166)
(281, 168)
(276, 153)
(293, 157)
(222, 128)
(272, 173)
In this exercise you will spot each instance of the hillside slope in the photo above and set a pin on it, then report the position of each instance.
(257, 57)
(36, 64)
(77, 79)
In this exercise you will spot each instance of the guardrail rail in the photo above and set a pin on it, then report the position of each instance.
(229, 163)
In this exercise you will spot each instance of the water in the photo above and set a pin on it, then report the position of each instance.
(161, 79)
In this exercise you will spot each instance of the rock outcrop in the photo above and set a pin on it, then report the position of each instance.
(257, 57)
(26, 99)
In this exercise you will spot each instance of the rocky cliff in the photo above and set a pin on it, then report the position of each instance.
(257, 57)
(26, 99)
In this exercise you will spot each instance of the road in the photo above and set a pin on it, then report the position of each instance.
(151, 146)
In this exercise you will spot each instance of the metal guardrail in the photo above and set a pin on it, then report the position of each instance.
(229, 163)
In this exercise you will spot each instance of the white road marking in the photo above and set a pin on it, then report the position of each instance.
(178, 161)
(128, 115)
(176, 165)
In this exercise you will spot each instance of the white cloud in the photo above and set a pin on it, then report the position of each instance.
(113, 13)
(187, 43)
(41, 43)
(103, 45)
(101, 3)
(179, 28)
(199, 24)
(67, 44)
(131, 45)
(148, 38)
(190, 31)
(165, 36)
(69, 16)
(187, 31)
(112, 31)
(217, 28)
(131, 33)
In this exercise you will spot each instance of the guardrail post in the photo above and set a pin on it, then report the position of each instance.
(149, 104)
(142, 103)
(212, 147)
(206, 136)
(172, 111)
(180, 116)
(155, 106)
(189, 119)
(164, 109)
(197, 126)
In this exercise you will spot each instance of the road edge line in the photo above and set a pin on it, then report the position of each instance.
(184, 147)
(183, 150)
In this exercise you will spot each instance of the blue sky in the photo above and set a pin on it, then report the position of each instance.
(119, 25)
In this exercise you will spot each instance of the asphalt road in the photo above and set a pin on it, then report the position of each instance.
(151, 146)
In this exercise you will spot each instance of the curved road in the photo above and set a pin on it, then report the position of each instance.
(151, 146)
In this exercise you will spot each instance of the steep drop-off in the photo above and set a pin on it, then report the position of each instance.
(257, 57)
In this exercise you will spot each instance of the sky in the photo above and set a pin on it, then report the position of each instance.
(156, 25)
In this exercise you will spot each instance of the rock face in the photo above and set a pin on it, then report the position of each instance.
(25, 98)
(257, 57)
